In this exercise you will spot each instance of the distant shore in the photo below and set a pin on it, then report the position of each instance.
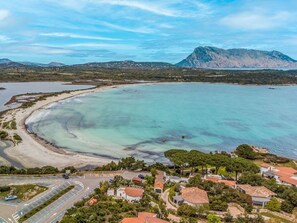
(36, 152)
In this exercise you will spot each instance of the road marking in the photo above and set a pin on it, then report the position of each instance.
(54, 214)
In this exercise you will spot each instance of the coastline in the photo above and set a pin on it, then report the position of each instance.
(37, 152)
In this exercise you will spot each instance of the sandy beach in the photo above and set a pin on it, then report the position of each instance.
(35, 152)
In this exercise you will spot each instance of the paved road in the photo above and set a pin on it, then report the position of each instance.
(84, 186)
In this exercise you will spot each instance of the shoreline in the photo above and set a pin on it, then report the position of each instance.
(34, 151)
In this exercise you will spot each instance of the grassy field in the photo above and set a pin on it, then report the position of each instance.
(24, 192)
(275, 217)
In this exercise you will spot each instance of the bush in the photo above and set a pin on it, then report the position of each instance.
(211, 218)
(273, 205)
(4, 188)
(246, 151)
(286, 206)
(186, 211)
(3, 135)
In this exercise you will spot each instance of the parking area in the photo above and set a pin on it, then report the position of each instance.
(84, 185)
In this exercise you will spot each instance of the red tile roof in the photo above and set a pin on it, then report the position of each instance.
(134, 192)
(194, 195)
(288, 180)
(229, 183)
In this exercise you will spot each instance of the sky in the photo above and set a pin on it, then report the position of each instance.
(80, 31)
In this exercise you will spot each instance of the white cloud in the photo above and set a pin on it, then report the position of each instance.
(256, 20)
(149, 7)
(4, 38)
(134, 30)
(75, 36)
(4, 14)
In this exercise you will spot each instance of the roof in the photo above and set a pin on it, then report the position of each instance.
(158, 184)
(134, 192)
(285, 171)
(256, 191)
(289, 180)
(194, 195)
(144, 217)
(137, 179)
(229, 183)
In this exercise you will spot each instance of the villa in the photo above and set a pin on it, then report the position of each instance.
(260, 195)
(192, 196)
(130, 193)
(159, 182)
(144, 217)
(282, 175)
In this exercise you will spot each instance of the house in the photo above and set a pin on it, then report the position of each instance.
(229, 183)
(130, 193)
(144, 217)
(282, 175)
(92, 201)
(159, 182)
(175, 179)
(260, 195)
(192, 196)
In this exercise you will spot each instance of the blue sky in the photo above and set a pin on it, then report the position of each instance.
(79, 31)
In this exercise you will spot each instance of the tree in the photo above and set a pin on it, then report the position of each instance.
(186, 210)
(240, 165)
(252, 179)
(246, 151)
(286, 206)
(273, 205)
(211, 218)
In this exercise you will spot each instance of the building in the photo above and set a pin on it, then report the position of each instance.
(144, 217)
(260, 195)
(282, 175)
(159, 182)
(175, 179)
(92, 201)
(130, 193)
(192, 196)
(229, 183)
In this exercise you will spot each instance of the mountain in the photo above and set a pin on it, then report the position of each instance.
(6, 63)
(52, 64)
(129, 64)
(212, 57)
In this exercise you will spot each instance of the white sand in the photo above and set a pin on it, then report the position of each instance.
(33, 152)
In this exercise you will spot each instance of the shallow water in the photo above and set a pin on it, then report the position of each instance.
(146, 120)
(12, 89)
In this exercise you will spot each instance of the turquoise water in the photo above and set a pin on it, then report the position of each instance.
(146, 120)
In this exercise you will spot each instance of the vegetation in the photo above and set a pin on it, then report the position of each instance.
(129, 163)
(23, 192)
(116, 75)
(246, 151)
(273, 205)
(3, 135)
(45, 204)
(34, 171)
(9, 125)
(17, 138)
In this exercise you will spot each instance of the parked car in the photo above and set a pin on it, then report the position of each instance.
(66, 176)
(140, 176)
(10, 197)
